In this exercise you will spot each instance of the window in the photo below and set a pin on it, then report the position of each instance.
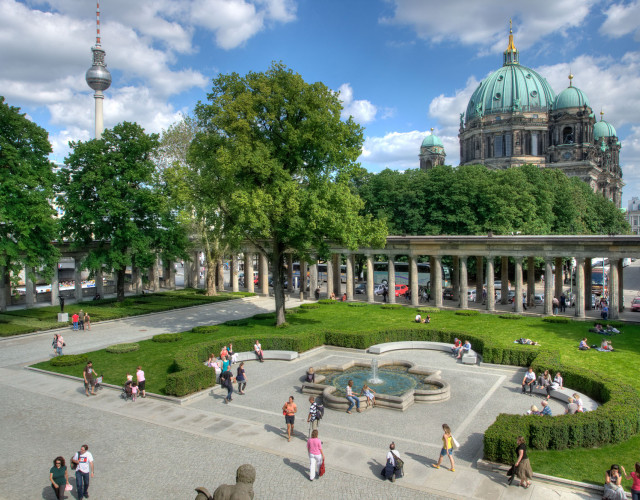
(534, 143)
(567, 135)
(497, 146)
(507, 145)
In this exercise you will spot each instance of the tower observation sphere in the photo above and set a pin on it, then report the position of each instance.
(98, 76)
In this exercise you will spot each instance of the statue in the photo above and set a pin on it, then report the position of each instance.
(461, 120)
(242, 490)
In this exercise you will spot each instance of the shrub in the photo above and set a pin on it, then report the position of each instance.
(309, 306)
(556, 319)
(467, 312)
(167, 337)
(428, 310)
(327, 302)
(283, 325)
(237, 322)
(510, 316)
(356, 304)
(122, 348)
(205, 329)
(391, 306)
(70, 360)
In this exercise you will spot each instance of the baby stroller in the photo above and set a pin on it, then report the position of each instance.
(126, 390)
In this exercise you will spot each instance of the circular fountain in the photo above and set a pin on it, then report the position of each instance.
(397, 384)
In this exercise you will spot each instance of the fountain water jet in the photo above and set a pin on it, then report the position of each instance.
(375, 380)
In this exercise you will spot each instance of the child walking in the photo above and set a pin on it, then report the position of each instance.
(134, 391)
(370, 394)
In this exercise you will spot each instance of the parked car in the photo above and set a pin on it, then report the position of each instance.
(538, 299)
(378, 289)
(635, 304)
(471, 295)
(401, 290)
(361, 288)
(447, 293)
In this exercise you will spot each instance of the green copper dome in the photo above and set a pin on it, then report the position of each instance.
(432, 140)
(603, 129)
(512, 88)
(571, 97)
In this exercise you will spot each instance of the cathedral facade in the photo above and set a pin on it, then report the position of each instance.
(514, 118)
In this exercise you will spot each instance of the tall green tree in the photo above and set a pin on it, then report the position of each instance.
(111, 205)
(28, 226)
(288, 161)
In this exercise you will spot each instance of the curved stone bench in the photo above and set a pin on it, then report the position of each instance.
(564, 394)
(278, 355)
(470, 358)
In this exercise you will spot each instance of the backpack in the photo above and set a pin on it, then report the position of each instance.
(319, 411)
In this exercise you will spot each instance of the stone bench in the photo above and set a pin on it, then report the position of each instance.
(564, 394)
(277, 355)
(470, 358)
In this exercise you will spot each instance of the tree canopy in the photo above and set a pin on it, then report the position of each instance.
(28, 227)
(472, 199)
(285, 161)
(112, 207)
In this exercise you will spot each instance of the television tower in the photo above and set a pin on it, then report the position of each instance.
(98, 76)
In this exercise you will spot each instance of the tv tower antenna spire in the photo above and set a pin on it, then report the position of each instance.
(98, 76)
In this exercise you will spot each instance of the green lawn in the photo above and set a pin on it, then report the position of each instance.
(581, 464)
(46, 318)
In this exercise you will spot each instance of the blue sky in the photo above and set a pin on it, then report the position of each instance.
(402, 66)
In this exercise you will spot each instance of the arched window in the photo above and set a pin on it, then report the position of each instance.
(567, 135)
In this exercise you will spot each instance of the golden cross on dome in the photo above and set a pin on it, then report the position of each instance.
(601, 114)
(570, 78)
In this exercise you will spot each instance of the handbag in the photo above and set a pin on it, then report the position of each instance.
(399, 461)
(322, 470)
(456, 445)
(68, 487)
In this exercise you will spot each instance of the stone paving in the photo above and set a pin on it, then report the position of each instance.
(157, 449)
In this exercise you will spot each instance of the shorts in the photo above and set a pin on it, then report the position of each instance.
(289, 419)
(141, 385)
(443, 452)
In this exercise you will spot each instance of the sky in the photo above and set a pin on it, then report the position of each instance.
(402, 67)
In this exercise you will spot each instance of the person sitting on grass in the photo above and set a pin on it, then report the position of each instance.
(332, 296)
(418, 318)
(344, 297)
(584, 346)
(466, 348)
(605, 345)
(546, 409)
(528, 381)
(597, 328)
(611, 329)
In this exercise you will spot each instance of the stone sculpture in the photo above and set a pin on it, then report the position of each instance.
(242, 490)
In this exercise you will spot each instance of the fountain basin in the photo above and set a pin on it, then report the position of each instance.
(413, 384)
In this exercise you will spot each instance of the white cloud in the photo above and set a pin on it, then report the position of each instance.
(622, 19)
(484, 24)
(397, 150)
(361, 110)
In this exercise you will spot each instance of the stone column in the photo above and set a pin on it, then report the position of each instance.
(99, 280)
(491, 290)
(580, 289)
(455, 278)
(77, 276)
(413, 272)
(436, 280)
(557, 278)
(337, 278)
(517, 300)
(479, 277)
(303, 279)
(531, 281)
(548, 287)
(263, 270)
(504, 278)
(330, 276)
(614, 289)
(587, 284)
(290, 272)
(248, 272)
(349, 277)
(464, 281)
(5, 289)
(313, 277)
(391, 280)
(370, 291)
(30, 288)
(55, 286)
(233, 273)
(620, 285)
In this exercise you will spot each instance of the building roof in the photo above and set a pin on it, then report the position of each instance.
(603, 129)
(432, 140)
(571, 97)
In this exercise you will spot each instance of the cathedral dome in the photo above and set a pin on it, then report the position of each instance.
(603, 129)
(571, 97)
(432, 140)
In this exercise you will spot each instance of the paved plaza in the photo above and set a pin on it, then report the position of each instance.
(157, 449)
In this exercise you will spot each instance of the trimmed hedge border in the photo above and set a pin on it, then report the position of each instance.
(556, 319)
(122, 348)
(391, 306)
(510, 316)
(309, 306)
(327, 302)
(428, 310)
(205, 329)
(70, 360)
(356, 304)
(237, 322)
(167, 337)
(467, 312)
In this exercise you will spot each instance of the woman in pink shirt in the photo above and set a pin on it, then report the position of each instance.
(316, 456)
(635, 488)
(141, 381)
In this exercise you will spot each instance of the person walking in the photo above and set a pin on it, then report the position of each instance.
(447, 448)
(60, 344)
(226, 381)
(89, 376)
(393, 467)
(522, 465)
(59, 477)
(353, 400)
(141, 382)
(81, 320)
(74, 320)
(87, 321)
(316, 455)
(241, 378)
(313, 414)
(83, 460)
(563, 303)
(289, 410)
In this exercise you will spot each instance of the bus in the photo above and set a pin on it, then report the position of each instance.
(322, 272)
(381, 273)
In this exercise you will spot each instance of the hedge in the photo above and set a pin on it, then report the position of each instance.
(510, 316)
(167, 337)
(327, 302)
(70, 360)
(467, 312)
(309, 306)
(428, 310)
(391, 306)
(205, 329)
(356, 304)
(555, 319)
(122, 348)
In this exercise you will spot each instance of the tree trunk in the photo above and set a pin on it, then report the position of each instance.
(211, 274)
(278, 280)
(120, 283)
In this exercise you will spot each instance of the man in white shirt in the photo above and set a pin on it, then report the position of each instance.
(84, 462)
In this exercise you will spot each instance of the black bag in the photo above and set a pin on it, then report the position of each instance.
(319, 411)
(512, 474)
(74, 465)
